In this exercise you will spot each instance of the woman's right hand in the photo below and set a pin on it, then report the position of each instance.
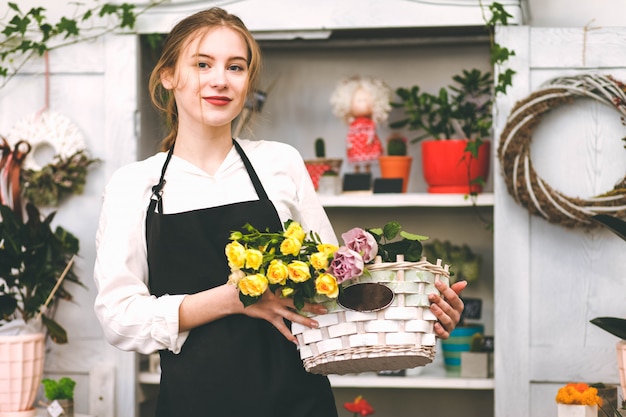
(275, 309)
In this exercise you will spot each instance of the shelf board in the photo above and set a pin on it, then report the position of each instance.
(431, 378)
(405, 200)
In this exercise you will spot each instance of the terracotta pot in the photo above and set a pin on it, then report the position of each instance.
(445, 166)
(396, 166)
(21, 369)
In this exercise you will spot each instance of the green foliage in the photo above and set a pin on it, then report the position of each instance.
(408, 245)
(29, 34)
(62, 177)
(464, 264)
(396, 146)
(320, 148)
(63, 389)
(499, 55)
(463, 109)
(32, 258)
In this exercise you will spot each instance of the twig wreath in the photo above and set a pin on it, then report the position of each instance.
(523, 183)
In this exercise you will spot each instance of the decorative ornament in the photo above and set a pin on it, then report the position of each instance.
(523, 183)
(57, 162)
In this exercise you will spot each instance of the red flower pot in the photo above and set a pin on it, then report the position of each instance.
(445, 166)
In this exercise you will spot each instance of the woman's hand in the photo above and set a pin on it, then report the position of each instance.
(447, 308)
(275, 309)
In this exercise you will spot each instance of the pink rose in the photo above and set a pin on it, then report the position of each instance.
(362, 242)
(346, 264)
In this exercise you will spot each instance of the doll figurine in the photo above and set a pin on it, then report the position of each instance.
(362, 102)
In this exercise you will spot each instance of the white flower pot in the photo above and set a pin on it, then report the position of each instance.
(568, 410)
(21, 369)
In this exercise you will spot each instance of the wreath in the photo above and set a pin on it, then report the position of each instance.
(55, 163)
(523, 183)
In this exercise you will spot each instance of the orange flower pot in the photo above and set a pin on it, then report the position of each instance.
(396, 167)
(445, 166)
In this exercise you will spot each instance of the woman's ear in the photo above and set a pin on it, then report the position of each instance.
(167, 79)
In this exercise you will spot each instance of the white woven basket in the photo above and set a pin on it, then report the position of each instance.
(399, 336)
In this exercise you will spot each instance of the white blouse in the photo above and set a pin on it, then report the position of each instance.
(133, 319)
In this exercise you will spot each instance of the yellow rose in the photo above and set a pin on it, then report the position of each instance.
(236, 276)
(253, 285)
(319, 261)
(286, 291)
(298, 271)
(295, 231)
(236, 255)
(327, 248)
(277, 272)
(290, 246)
(327, 284)
(254, 258)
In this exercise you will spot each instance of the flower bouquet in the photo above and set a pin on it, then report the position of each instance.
(375, 288)
(578, 400)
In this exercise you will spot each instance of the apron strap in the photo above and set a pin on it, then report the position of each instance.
(157, 190)
(156, 199)
(251, 172)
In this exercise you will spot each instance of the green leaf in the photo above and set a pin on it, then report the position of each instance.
(56, 332)
(412, 236)
(391, 229)
(613, 325)
(614, 224)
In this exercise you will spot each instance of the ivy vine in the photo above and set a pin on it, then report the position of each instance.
(28, 34)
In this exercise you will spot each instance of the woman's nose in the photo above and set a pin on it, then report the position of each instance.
(218, 79)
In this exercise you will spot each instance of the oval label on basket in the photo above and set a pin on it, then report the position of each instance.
(366, 297)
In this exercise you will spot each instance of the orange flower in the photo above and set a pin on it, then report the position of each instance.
(579, 394)
(359, 407)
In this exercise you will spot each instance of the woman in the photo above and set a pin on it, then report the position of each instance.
(161, 269)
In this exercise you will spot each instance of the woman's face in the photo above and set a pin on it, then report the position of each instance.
(361, 103)
(211, 79)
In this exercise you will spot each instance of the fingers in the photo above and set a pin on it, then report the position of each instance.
(276, 310)
(447, 307)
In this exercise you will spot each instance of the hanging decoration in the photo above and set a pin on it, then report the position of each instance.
(57, 162)
(522, 181)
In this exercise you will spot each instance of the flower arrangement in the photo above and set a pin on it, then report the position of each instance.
(578, 394)
(360, 407)
(301, 266)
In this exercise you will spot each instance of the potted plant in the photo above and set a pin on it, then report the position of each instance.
(614, 325)
(318, 166)
(34, 260)
(396, 164)
(61, 392)
(454, 125)
(464, 264)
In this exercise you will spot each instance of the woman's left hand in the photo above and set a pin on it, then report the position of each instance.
(447, 307)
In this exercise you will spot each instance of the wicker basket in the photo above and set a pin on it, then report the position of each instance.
(398, 336)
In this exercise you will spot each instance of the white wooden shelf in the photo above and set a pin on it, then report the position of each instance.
(405, 200)
(431, 378)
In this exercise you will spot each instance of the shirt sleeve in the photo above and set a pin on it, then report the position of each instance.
(132, 318)
(311, 214)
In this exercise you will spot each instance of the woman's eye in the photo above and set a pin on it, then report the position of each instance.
(235, 67)
(203, 65)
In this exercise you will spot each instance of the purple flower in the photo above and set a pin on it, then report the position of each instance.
(362, 242)
(346, 264)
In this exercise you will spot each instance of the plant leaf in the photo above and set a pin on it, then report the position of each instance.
(616, 225)
(613, 325)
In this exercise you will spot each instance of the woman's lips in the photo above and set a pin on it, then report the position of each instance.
(217, 100)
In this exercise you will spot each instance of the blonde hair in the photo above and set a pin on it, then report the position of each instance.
(341, 99)
(186, 30)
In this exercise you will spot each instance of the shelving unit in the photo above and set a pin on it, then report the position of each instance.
(405, 200)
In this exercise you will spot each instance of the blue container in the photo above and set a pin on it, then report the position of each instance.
(459, 341)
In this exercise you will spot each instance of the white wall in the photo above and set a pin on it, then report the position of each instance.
(82, 90)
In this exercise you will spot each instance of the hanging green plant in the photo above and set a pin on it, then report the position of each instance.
(29, 34)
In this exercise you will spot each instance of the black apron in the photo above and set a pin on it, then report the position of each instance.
(236, 366)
